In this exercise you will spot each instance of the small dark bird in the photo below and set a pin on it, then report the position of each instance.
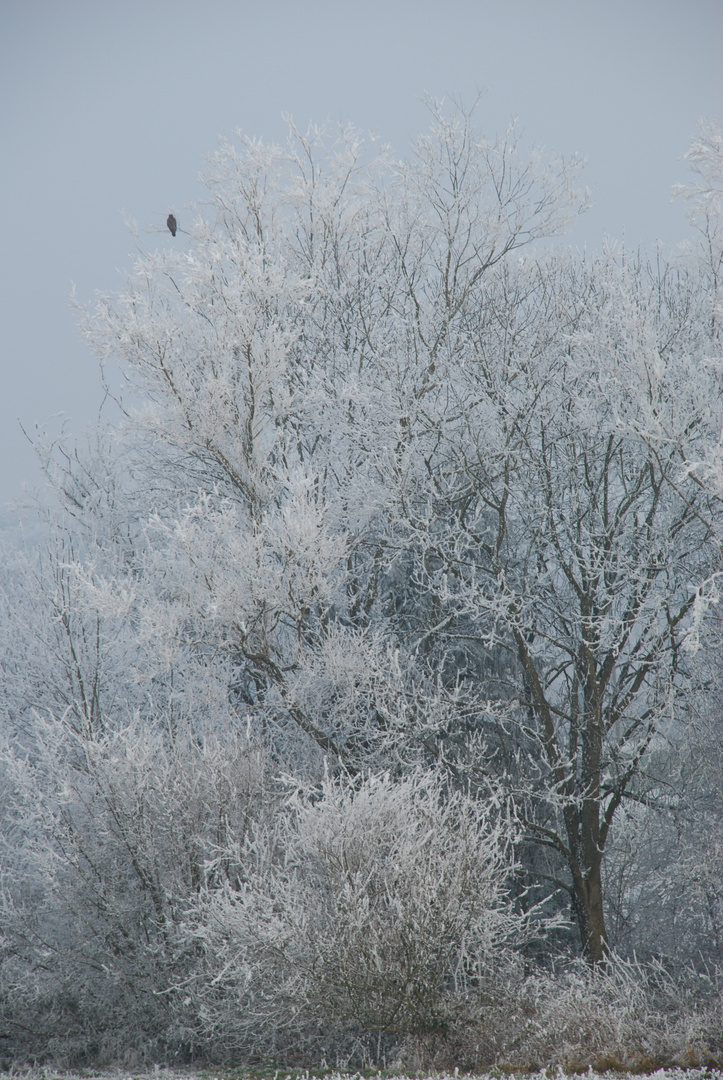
(172, 224)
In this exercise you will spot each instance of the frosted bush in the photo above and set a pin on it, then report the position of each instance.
(105, 840)
(626, 1017)
(373, 906)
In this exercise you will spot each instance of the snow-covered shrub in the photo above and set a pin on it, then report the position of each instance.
(627, 1016)
(105, 841)
(373, 908)
(624, 1017)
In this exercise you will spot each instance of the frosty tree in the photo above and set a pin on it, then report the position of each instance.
(560, 545)
(396, 486)
(444, 489)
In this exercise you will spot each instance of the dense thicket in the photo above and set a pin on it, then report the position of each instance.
(369, 672)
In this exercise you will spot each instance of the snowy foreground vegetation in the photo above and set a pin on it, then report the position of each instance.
(329, 1074)
(361, 696)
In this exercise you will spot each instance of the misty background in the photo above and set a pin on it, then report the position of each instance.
(109, 110)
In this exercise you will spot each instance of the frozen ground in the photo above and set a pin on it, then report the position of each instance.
(47, 1073)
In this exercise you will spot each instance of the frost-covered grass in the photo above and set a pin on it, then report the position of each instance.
(47, 1073)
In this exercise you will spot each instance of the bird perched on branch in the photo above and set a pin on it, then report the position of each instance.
(172, 224)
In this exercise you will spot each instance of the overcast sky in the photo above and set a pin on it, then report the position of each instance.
(109, 107)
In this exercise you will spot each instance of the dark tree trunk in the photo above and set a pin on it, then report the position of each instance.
(588, 907)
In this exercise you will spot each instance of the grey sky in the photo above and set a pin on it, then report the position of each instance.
(110, 106)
